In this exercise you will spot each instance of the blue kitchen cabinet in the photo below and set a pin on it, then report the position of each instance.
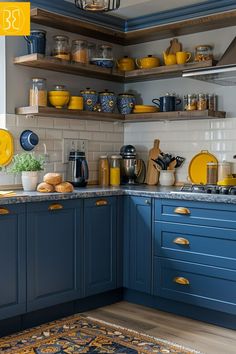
(54, 253)
(138, 244)
(100, 240)
(12, 261)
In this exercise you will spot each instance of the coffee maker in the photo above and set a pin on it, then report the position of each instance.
(77, 169)
(132, 169)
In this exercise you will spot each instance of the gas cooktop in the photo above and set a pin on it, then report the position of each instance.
(208, 189)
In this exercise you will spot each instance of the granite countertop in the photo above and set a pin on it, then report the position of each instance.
(137, 190)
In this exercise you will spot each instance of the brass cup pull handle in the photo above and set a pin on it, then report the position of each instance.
(181, 241)
(55, 207)
(4, 211)
(182, 211)
(101, 202)
(181, 281)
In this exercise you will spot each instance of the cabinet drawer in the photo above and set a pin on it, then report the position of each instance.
(208, 214)
(199, 285)
(11, 209)
(54, 205)
(207, 245)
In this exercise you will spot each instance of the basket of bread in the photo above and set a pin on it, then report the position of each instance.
(53, 182)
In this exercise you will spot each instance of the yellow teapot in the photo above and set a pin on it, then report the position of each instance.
(125, 64)
(148, 62)
(169, 59)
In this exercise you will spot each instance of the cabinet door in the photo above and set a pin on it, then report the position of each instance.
(100, 245)
(138, 240)
(12, 261)
(54, 237)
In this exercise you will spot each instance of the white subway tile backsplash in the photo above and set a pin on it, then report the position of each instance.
(70, 134)
(77, 124)
(27, 121)
(93, 125)
(53, 134)
(45, 122)
(61, 123)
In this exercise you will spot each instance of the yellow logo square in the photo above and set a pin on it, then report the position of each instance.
(14, 18)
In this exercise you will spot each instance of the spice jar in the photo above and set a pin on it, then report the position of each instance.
(224, 170)
(202, 102)
(115, 170)
(79, 51)
(38, 92)
(105, 51)
(103, 171)
(61, 47)
(203, 52)
(212, 171)
(212, 102)
(191, 102)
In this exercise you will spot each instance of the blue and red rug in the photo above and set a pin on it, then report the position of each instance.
(79, 334)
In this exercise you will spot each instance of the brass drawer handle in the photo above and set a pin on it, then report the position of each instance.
(101, 202)
(182, 211)
(4, 211)
(181, 241)
(55, 207)
(181, 281)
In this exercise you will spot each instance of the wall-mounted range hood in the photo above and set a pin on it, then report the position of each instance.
(224, 73)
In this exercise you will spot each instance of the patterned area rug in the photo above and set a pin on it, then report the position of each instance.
(79, 334)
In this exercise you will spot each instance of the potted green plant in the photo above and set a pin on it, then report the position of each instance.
(28, 164)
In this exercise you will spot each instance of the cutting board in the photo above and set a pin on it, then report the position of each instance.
(152, 177)
(175, 46)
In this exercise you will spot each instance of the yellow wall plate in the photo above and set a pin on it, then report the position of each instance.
(197, 169)
(6, 147)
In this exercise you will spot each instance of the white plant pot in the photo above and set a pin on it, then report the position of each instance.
(29, 180)
(167, 178)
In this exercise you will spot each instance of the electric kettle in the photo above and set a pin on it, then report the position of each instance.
(77, 169)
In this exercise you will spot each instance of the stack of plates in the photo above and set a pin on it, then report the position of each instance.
(145, 109)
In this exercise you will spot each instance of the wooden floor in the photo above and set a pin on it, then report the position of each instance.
(201, 336)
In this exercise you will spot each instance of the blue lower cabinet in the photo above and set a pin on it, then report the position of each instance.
(54, 253)
(138, 244)
(12, 261)
(100, 235)
(196, 284)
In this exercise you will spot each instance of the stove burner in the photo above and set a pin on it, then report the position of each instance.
(209, 189)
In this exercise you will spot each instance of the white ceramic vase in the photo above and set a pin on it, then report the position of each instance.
(167, 178)
(29, 180)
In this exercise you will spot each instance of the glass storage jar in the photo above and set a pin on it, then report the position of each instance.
(105, 51)
(61, 48)
(38, 92)
(202, 102)
(79, 51)
(191, 102)
(115, 170)
(103, 171)
(203, 52)
(212, 172)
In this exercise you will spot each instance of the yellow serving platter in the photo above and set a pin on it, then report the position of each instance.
(6, 147)
(197, 170)
(145, 109)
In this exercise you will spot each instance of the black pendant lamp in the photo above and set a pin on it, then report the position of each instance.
(97, 5)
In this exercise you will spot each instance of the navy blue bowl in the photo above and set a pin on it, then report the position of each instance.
(28, 140)
(104, 63)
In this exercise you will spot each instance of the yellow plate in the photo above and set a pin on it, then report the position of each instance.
(6, 147)
(197, 169)
(145, 109)
(228, 181)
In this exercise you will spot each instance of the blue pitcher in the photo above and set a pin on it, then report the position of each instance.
(36, 42)
(125, 103)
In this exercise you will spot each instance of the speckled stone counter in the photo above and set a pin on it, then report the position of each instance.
(138, 190)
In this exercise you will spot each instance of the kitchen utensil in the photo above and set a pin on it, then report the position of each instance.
(172, 164)
(145, 109)
(6, 147)
(28, 140)
(197, 169)
(36, 41)
(125, 64)
(125, 103)
(152, 176)
(175, 46)
(107, 101)
(148, 62)
(183, 57)
(179, 161)
(167, 103)
(90, 98)
(77, 169)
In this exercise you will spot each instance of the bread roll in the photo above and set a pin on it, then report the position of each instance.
(52, 178)
(64, 187)
(45, 188)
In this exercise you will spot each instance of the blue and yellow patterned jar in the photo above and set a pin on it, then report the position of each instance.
(107, 101)
(125, 103)
(90, 98)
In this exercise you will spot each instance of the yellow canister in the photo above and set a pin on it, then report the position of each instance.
(76, 102)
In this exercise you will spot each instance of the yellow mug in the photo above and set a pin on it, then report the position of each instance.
(183, 57)
(76, 102)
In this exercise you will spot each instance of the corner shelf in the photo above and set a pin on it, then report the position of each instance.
(40, 61)
(114, 117)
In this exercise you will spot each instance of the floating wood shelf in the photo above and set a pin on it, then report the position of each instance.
(114, 117)
(53, 64)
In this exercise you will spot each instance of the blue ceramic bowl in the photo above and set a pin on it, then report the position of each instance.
(28, 140)
(104, 63)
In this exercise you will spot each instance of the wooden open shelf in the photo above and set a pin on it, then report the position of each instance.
(40, 61)
(114, 117)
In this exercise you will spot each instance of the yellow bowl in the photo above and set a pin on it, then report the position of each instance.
(76, 102)
(59, 101)
(58, 93)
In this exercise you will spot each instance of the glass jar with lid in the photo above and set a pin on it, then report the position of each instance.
(61, 48)
(38, 92)
(191, 102)
(103, 171)
(202, 102)
(115, 170)
(203, 52)
(105, 51)
(79, 51)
